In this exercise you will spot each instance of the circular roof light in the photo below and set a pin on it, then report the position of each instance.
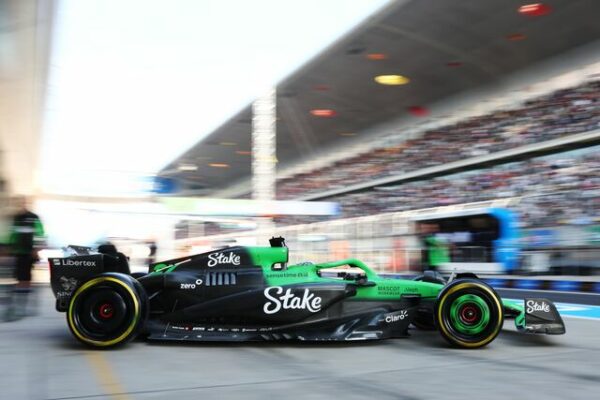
(391, 80)
(377, 56)
(535, 9)
(323, 112)
(418, 111)
(188, 167)
(516, 37)
(218, 165)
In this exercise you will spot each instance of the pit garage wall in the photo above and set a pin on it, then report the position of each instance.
(25, 41)
(561, 249)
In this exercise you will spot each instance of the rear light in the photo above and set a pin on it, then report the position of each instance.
(535, 9)
(418, 111)
(323, 113)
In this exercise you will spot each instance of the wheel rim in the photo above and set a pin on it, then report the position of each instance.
(469, 314)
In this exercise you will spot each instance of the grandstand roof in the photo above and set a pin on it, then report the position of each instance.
(444, 48)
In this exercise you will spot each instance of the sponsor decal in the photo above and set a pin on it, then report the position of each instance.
(76, 263)
(185, 286)
(287, 275)
(398, 317)
(278, 300)
(68, 284)
(533, 306)
(56, 261)
(220, 258)
(188, 286)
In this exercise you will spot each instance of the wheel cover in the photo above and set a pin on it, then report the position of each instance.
(91, 327)
(102, 312)
(469, 314)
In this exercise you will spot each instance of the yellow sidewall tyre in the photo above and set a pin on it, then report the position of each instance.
(107, 311)
(458, 333)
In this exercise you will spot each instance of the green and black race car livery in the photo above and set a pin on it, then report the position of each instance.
(251, 293)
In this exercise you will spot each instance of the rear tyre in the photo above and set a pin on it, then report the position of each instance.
(108, 310)
(469, 313)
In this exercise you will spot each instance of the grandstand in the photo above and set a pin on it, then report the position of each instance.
(566, 112)
(453, 74)
(526, 133)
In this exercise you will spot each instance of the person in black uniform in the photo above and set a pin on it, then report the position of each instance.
(26, 238)
(151, 252)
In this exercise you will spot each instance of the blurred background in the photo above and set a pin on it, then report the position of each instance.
(378, 129)
(387, 114)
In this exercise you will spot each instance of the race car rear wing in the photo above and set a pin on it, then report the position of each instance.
(68, 273)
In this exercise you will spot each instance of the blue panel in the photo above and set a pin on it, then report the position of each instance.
(506, 247)
(163, 185)
(566, 286)
(527, 284)
(497, 283)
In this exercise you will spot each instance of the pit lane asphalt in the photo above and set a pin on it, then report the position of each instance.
(39, 359)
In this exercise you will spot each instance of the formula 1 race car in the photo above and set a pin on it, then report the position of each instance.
(251, 294)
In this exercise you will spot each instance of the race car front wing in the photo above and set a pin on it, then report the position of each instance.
(540, 316)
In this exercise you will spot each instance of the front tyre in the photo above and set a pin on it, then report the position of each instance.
(469, 313)
(107, 310)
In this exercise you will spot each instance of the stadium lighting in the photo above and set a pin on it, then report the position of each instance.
(377, 56)
(243, 152)
(535, 9)
(218, 165)
(228, 143)
(188, 167)
(347, 134)
(323, 112)
(391, 80)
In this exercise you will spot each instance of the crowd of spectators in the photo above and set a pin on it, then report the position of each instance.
(561, 113)
(554, 190)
